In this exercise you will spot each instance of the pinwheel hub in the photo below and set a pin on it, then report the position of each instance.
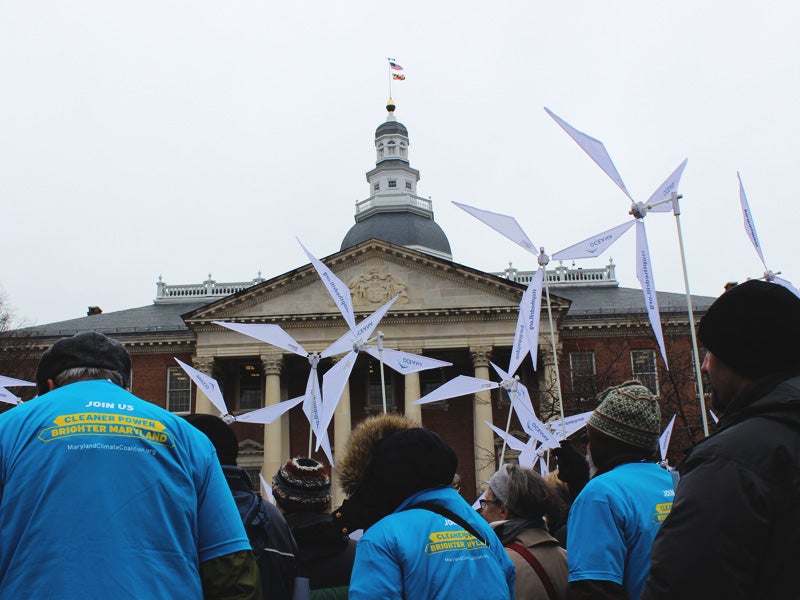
(543, 259)
(228, 419)
(638, 210)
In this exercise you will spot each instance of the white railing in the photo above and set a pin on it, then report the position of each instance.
(199, 291)
(379, 201)
(565, 276)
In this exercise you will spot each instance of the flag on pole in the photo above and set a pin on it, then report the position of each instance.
(398, 76)
(394, 66)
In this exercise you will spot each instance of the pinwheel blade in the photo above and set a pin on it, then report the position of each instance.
(666, 189)
(571, 424)
(528, 456)
(512, 442)
(336, 288)
(333, 383)
(787, 285)
(366, 328)
(268, 414)
(312, 403)
(11, 382)
(521, 401)
(749, 224)
(663, 440)
(266, 487)
(405, 362)
(594, 148)
(644, 273)
(8, 397)
(533, 308)
(271, 334)
(206, 384)
(503, 375)
(521, 346)
(595, 245)
(343, 344)
(462, 385)
(502, 224)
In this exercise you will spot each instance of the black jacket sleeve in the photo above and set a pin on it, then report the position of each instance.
(231, 577)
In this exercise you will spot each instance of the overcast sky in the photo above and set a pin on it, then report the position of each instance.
(145, 138)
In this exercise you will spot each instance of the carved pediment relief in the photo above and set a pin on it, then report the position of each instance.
(375, 286)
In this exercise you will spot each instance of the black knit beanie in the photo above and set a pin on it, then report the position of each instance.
(220, 434)
(302, 485)
(754, 328)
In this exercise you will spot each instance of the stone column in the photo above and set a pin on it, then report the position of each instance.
(342, 425)
(273, 448)
(482, 411)
(202, 404)
(412, 393)
(548, 392)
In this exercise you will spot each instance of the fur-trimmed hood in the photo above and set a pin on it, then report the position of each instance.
(387, 459)
(360, 447)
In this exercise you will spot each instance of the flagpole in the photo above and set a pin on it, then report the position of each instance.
(676, 210)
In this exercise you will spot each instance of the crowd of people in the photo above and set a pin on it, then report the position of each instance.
(105, 495)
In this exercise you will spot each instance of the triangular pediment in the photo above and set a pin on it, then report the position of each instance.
(375, 271)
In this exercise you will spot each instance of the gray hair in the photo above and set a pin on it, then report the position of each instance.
(68, 376)
(525, 493)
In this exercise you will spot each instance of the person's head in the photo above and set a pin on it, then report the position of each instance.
(625, 426)
(387, 459)
(85, 356)
(302, 485)
(749, 332)
(514, 492)
(221, 435)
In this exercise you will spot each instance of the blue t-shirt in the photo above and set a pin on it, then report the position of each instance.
(417, 553)
(104, 495)
(613, 522)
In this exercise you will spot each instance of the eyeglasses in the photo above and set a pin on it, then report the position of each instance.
(483, 502)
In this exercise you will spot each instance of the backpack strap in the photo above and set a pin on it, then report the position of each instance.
(537, 566)
(441, 510)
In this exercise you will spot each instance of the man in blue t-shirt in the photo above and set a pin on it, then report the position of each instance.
(615, 518)
(105, 495)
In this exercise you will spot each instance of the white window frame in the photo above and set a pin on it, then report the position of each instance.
(572, 366)
(178, 371)
(649, 376)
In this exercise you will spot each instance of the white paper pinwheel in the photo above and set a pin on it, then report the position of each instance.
(266, 488)
(663, 440)
(520, 400)
(312, 399)
(356, 340)
(8, 397)
(663, 199)
(7, 382)
(527, 450)
(209, 386)
(750, 228)
(570, 425)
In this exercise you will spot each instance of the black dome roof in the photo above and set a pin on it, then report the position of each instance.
(391, 128)
(400, 228)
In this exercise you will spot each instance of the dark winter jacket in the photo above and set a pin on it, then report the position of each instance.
(269, 535)
(734, 529)
(325, 555)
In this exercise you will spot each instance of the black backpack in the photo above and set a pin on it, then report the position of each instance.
(274, 552)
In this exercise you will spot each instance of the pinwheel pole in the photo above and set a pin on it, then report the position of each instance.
(508, 421)
(639, 210)
(543, 260)
(380, 360)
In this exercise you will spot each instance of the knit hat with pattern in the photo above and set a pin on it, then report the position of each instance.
(302, 485)
(629, 413)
